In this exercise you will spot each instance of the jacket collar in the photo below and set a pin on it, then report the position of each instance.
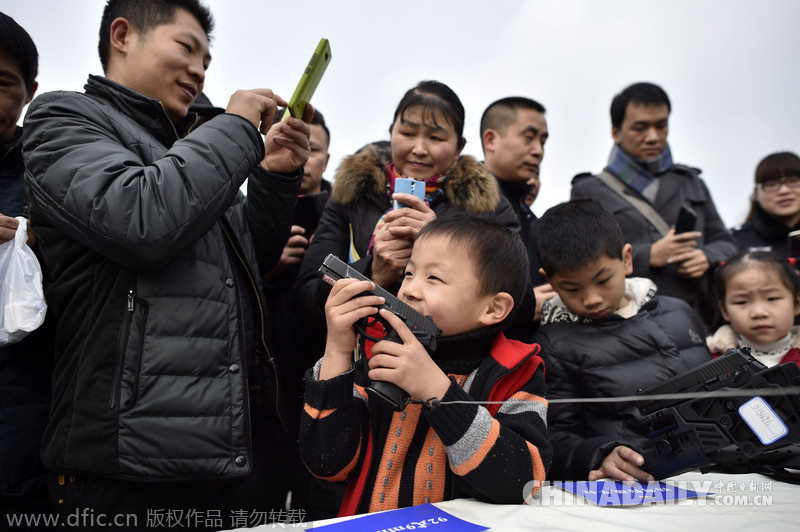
(768, 226)
(6, 147)
(639, 289)
(147, 112)
(515, 192)
(469, 187)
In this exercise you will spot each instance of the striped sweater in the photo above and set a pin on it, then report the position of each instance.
(397, 459)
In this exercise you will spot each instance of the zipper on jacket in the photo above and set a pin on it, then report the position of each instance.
(174, 129)
(121, 344)
(270, 359)
(196, 120)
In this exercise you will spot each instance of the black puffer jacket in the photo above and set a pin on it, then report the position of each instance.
(358, 200)
(612, 357)
(150, 252)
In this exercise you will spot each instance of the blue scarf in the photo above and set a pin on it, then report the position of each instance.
(639, 174)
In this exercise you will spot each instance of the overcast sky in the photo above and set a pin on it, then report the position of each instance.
(730, 68)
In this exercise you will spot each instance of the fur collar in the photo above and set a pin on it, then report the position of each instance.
(469, 187)
(726, 338)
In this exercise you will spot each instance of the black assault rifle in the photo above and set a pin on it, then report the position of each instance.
(423, 327)
(745, 417)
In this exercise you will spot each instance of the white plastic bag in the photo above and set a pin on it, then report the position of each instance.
(22, 305)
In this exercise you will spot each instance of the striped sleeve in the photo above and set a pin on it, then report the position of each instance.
(333, 427)
(496, 457)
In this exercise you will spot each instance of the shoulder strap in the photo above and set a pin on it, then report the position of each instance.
(641, 205)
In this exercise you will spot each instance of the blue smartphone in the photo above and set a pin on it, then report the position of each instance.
(408, 186)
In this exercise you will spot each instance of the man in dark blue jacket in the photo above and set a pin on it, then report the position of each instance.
(166, 393)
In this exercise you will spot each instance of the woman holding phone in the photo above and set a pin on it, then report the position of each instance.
(775, 206)
(359, 224)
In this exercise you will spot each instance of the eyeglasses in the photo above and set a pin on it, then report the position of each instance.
(774, 185)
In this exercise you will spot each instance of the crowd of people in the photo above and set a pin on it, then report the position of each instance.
(193, 359)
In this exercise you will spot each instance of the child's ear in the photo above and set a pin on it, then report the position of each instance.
(497, 309)
(797, 305)
(544, 274)
(725, 314)
(627, 259)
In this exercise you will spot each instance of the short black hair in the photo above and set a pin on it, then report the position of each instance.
(319, 120)
(643, 93)
(572, 234)
(502, 113)
(500, 257)
(17, 43)
(144, 15)
(434, 96)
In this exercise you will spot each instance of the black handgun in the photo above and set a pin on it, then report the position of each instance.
(744, 416)
(423, 327)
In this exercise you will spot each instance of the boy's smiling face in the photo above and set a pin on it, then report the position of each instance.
(596, 290)
(440, 281)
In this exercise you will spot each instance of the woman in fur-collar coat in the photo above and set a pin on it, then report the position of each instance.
(360, 197)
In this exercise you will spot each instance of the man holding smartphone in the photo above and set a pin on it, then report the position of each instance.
(646, 185)
(166, 392)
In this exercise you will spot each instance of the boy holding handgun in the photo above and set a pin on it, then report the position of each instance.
(476, 424)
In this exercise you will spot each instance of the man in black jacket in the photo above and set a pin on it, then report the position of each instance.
(165, 393)
(513, 134)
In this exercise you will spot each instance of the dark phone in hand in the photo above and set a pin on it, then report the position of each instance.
(309, 210)
(687, 219)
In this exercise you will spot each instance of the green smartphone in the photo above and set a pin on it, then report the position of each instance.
(309, 80)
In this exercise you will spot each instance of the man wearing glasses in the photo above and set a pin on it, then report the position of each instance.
(646, 191)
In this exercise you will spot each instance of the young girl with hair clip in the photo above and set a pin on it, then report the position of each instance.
(759, 296)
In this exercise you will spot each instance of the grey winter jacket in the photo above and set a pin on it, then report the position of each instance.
(680, 186)
(142, 230)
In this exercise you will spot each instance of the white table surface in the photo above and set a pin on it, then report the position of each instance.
(740, 502)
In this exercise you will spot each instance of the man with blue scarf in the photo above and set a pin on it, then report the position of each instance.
(640, 177)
